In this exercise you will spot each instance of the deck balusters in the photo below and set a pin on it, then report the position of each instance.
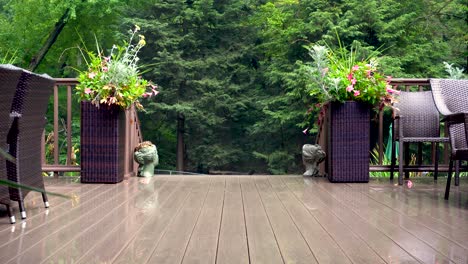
(133, 133)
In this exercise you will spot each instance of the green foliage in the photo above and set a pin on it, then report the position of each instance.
(385, 161)
(8, 57)
(235, 69)
(26, 24)
(454, 72)
(278, 161)
(201, 52)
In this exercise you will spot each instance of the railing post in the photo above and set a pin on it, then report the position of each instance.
(43, 148)
(56, 136)
(127, 141)
(380, 137)
(69, 125)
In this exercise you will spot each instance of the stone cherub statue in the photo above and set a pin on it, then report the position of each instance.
(312, 155)
(146, 155)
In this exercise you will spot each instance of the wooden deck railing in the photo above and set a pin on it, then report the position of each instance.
(133, 133)
(403, 85)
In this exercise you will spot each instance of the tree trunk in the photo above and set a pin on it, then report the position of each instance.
(180, 142)
(37, 59)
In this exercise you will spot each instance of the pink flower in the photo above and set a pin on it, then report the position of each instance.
(349, 88)
(391, 91)
(153, 90)
(105, 69)
(305, 131)
(409, 184)
(355, 68)
(91, 75)
(87, 90)
(353, 81)
(147, 94)
(357, 93)
(350, 76)
(107, 58)
(368, 73)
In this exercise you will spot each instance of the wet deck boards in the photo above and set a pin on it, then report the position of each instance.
(240, 219)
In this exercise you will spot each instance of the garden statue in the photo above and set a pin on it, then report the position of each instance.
(312, 155)
(146, 155)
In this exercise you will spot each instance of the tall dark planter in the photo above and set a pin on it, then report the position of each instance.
(348, 142)
(102, 143)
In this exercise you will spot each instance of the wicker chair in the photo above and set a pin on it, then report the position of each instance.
(416, 121)
(451, 98)
(28, 110)
(9, 76)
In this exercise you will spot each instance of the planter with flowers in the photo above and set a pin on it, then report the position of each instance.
(348, 88)
(109, 87)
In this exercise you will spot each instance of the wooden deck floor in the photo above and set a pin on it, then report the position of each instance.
(240, 219)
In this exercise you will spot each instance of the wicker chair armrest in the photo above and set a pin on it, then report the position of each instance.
(456, 133)
(456, 118)
(395, 112)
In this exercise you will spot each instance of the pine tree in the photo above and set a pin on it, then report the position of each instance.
(202, 62)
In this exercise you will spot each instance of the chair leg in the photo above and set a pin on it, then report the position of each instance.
(457, 172)
(449, 179)
(46, 201)
(400, 164)
(419, 157)
(436, 162)
(10, 214)
(392, 162)
(407, 158)
(22, 210)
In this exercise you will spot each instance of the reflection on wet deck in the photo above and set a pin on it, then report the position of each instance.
(240, 219)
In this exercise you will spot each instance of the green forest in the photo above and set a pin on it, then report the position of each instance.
(233, 92)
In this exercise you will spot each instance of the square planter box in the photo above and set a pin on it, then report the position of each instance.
(348, 142)
(102, 143)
